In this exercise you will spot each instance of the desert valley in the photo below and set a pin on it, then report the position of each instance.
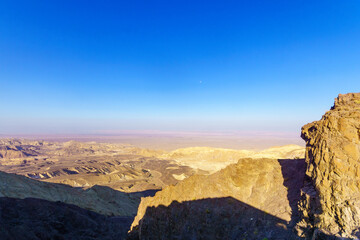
(89, 190)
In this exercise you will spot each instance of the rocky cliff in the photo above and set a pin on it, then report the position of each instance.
(331, 194)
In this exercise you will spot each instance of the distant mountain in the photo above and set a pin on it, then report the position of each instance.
(214, 159)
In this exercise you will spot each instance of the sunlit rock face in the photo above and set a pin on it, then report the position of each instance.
(331, 196)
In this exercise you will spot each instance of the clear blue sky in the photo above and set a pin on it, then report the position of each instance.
(92, 66)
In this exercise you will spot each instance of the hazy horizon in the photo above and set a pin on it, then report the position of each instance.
(174, 140)
(213, 67)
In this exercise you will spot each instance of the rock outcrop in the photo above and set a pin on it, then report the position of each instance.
(331, 194)
(252, 199)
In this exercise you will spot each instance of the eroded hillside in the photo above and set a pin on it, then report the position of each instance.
(121, 167)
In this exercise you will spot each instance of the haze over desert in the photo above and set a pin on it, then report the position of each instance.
(169, 141)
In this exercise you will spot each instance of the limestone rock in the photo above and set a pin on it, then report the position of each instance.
(331, 194)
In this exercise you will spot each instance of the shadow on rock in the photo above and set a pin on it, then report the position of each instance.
(293, 171)
(31, 218)
(211, 218)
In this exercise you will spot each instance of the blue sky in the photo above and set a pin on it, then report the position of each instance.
(93, 66)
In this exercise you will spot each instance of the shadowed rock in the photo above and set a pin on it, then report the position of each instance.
(210, 218)
(33, 219)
